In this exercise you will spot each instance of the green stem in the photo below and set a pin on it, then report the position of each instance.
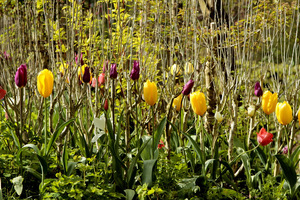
(45, 131)
(113, 105)
(287, 140)
(201, 135)
(21, 116)
(153, 147)
(136, 108)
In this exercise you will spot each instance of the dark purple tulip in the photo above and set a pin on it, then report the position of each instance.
(257, 90)
(187, 87)
(135, 72)
(21, 76)
(81, 59)
(86, 76)
(285, 150)
(113, 71)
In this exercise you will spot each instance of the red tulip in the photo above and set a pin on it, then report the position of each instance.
(2, 93)
(106, 105)
(21, 76)
(101, 79)
(161, 144)
(263, 137)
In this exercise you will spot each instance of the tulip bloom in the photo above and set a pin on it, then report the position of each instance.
(269, 102)
(219, 117)
(175, 70)
(135, 72)
(263, 137)
(188, 69)
(113, 71)
(62, 68)
(105, 66)
(150, 93)
(21, 76)
(284, 113)
(177, 102)
(257, 90)
(94, 82)
(106, 105)
(187, 87)
(101, 79)
(251, 111)
(81, 59)
(2, 93)
(161, 144)
(45, 83)
(87, 75)
(285, 150)
(198, 103)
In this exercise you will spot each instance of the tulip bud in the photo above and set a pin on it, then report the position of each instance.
(101, 79)
(135, 72)
(198, 103)
(263, 137)
(87, 75)
(21, 76)
(257, 90)
(284, 113)
(94, 82)
(106, 105)
(105, 66)
(187, 87)
(81, 59)
(113, 71)
(45, 83)
(150, 93)
(269, 102)
(161, 144)
(175, 70)
(2, 93)
(177, 102)
(6, 56)
(285, 150)
(219, 117)
(251, 111)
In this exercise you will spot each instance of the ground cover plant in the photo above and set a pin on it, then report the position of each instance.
(179, 99)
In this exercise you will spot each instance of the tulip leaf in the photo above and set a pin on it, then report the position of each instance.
(199, 153)
(56, 134)
(262, 156)
(295, 156)
(71, 167)
(288, 170)
(148, 171)
(65, 157)
(130, 174)
(159, 132)
(129, 194)
(245, 160)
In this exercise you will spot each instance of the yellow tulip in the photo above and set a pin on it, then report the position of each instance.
(198, 102)
(150, 93)
(177, 102)
(45, 83)
(175, 69)
(269, 102)
(284, 113)
(62, 68)
(188, 69)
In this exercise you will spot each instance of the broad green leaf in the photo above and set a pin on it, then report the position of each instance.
(288, 170)
(129, 194)
(159, 132)
(71, 167)
(130, 176)
(148, 172)
(196, 147)
(56, 134)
